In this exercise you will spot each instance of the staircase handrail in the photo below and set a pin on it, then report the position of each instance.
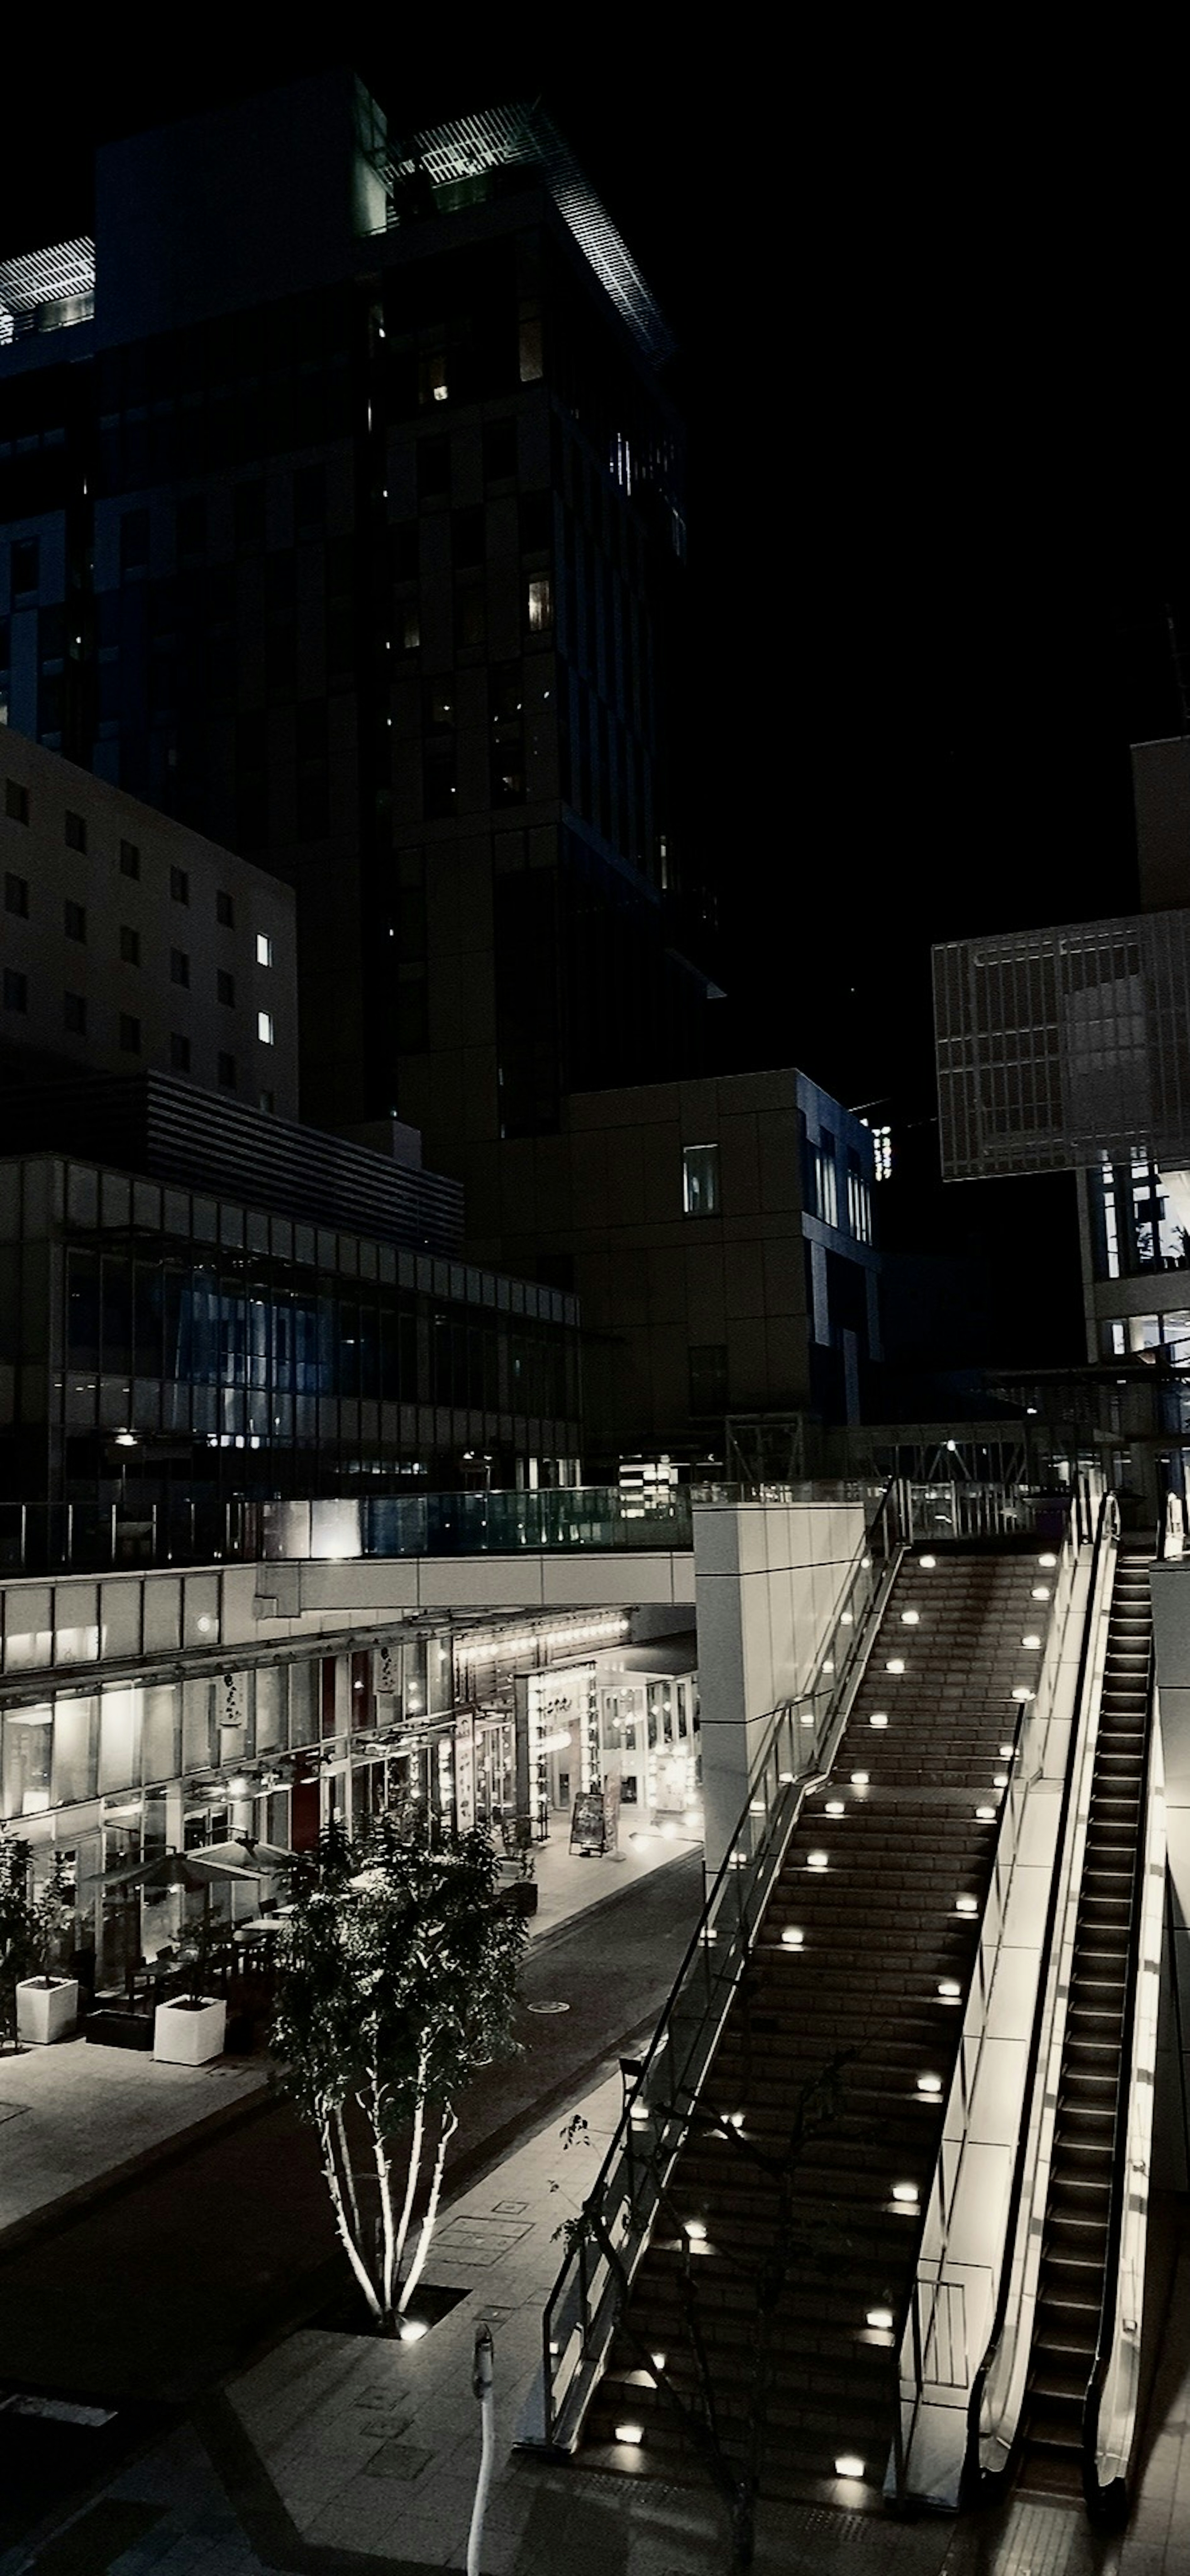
(620, 2208)
(975, 2478)
(1110, 2503)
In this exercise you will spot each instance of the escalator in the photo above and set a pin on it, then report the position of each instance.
(1073, 2275)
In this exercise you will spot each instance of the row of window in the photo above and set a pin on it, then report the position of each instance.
(74, 1020)
(74, 925)
(18, 809)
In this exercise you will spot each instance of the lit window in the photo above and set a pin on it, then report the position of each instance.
(859, 1205)
(541, 606)
(826, 1186)
(264, 949)
(264, 1027)
(700, 1180)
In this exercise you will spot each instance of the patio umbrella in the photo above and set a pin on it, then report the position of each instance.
(243, 1855)
(196, 1871)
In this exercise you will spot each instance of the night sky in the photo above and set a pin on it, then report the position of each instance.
(930, 372)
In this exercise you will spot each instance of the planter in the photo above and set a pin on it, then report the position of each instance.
(110, 2027)
(186, 2034)
(45, 2013)
(524, 1896)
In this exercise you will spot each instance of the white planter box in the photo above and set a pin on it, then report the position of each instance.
(189, 2034)
(46, 2012)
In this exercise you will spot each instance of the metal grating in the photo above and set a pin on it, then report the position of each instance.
(516, 136)
(62, 274)
(1058, 1047)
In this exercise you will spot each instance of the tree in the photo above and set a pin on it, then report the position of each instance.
(53, 1915)
(398, 1970)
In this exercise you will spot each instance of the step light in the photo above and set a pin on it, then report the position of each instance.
(817, 1860)
(1021, 1693)
(950, 1990)
(1041, 1592)
(966, 1905)
(1031, 1640)
(792, 1937)
(929, 1563)
(633, 2433)
(909, 1618)
(695, 2229)
(849, 2465)
(895, 1664)
(881, 2319)
(1008, 1752)
(847, 1619)
(657, 2360)
(1047, 1560)
(412, 2329)
(756, 1806)
(879, 1717)
(859, 1779)
(807, 1717)
(999, 1779)
(985, 1815)
(735, 2119)
(787, 1778)
(929, 2084)
(835, 1807)
(905, 2195)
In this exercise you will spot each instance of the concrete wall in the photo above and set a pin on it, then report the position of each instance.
(768, 1579)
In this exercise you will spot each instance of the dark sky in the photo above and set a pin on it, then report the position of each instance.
(932, 378)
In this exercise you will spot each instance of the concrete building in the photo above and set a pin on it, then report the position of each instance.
(129, 942)
(342, 517)
(719, 1236)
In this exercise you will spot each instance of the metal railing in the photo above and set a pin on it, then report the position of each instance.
(619, 2213)
(1024, 1764)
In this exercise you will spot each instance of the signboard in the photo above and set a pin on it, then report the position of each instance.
(586, 1823)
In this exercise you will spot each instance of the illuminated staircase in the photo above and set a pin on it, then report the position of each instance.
(864, 1955)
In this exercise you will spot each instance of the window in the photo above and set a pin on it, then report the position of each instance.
(179, 1053)
(76, 832)
(540, 606)
(536, 521)
(468, 537)
(179, 966)
(227, 1072)
(129, 859)
(708, 1377)
(268, 1103)
(499, 450)
(129, 1034)
(16, 896)
(129, 945)
(225, 988)
(225, 911)
(264, 949)
(700, 1180)
(192, 525)
(826, 1186)
(74, 920)
(433, 467)
(410, 624)
(25, 567)
(859, 1205)
(16, 801)
(134, 540)
(179, 885)
(74, 1014)
(16, 990)
(264, 1027)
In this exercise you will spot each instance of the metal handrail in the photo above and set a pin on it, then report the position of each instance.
(975, 2480)
(1110, 2503)
(614, 2227)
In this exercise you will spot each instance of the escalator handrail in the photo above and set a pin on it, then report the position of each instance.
(1097, 2497)
(971, 2469)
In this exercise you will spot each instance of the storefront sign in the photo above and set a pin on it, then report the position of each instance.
(465, 1771)
(587, 1822)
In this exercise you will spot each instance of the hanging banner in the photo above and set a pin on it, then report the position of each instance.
(465, 1771)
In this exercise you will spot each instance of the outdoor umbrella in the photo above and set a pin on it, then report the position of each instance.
(241, 1855)
(196, 1871)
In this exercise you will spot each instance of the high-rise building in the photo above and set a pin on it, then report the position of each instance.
(341, 517)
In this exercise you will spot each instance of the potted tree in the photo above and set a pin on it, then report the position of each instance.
(17, 1932)
(47, 2005)
(397, 1979)
(189, 2029)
